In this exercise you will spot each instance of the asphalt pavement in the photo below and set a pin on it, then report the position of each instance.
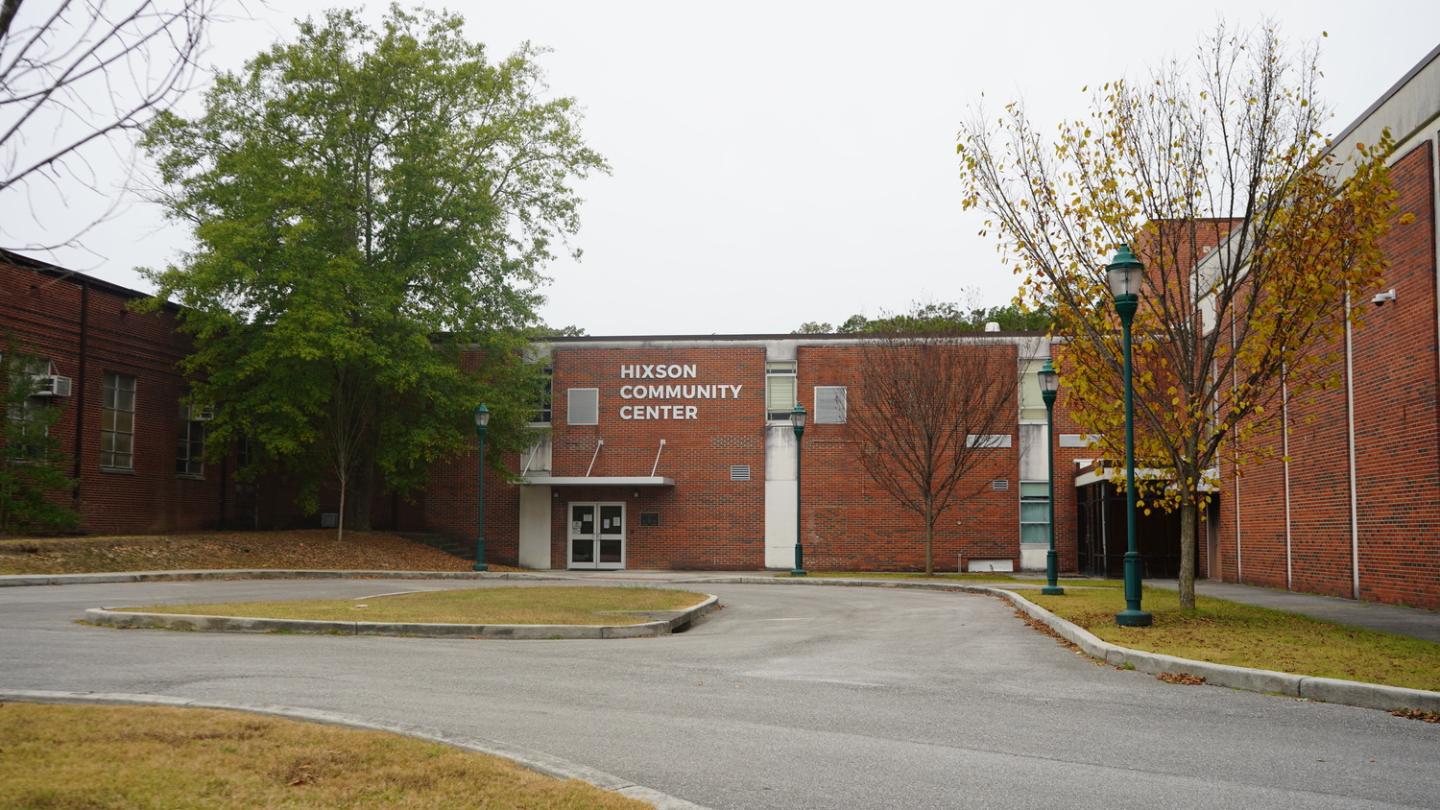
(788, 697)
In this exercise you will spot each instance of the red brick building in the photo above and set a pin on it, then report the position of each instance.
(674, 452)
(678, 452)
(1350, 503)
(658, 452)
(119, 400)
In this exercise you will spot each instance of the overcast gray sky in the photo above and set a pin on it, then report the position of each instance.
(776, 163)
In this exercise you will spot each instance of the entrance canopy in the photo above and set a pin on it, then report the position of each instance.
(598, 481)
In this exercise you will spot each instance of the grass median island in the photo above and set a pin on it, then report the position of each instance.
(309, 548)
(511, 605)
(1226, 632)
(161, 757)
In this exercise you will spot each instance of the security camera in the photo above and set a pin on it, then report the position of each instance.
(1380, 298)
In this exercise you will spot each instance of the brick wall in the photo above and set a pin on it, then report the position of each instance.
(43, 311)
(1397, 443)
(849, 522)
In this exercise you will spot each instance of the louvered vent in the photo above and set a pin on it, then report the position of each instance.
(1000, 484)
(582, 406)
(739, 472)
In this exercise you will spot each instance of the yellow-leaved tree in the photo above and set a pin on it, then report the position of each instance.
(1254, 233)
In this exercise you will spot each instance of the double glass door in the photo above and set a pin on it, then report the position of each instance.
(597, 535)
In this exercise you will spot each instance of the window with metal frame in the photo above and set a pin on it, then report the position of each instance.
(543, 409)
(779, 390)
(190, 444)
(1035, 513)
(1032, 405)
(117, 422)
(31, 429)
(831, 404)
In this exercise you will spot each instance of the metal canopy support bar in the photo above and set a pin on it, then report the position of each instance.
(656, 465)
(599, 443)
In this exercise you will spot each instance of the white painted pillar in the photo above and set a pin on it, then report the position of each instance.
(535, 527)
(780, 496)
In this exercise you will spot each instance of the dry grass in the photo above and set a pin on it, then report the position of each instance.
(314, 548)
(1242, 635)
(151, 757)
(509, 605)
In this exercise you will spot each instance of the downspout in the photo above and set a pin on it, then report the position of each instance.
(1285, 461)
(1239, 557)
(1350, 442)
(1435, 253)
(82, 387)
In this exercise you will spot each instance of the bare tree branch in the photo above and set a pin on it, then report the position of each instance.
(926, 406)
(76, 74)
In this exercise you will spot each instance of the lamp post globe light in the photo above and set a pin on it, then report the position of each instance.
(797, 421)
(482, 421)
(1125, 273)
(1049, 384)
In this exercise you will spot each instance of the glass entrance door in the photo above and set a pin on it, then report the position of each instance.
(597, 535)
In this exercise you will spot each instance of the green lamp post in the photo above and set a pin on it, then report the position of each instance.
(1125, 273)
(797, 421)
(482, 421)
(1049, 384)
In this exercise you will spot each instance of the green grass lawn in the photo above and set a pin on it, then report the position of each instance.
(977, 578)
(1242, 635)
(126, 757)
(506, 605)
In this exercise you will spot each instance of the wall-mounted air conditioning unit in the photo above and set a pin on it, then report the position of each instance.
(52, 385)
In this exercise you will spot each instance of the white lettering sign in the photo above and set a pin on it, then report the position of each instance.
(670, 372)
(688, 391)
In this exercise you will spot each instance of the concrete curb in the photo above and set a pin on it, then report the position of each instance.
(18, 580)
(530, 760)
(1328, 690)
(111, 617)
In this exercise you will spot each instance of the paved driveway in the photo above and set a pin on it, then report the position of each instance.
(789, 697)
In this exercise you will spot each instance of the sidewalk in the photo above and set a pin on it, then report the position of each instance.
(1405, 621)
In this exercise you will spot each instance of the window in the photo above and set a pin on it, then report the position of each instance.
(1032, 405)
(190, 444)
(117, 423)
(542, 409)
(582, 406)
(31, 429)
(1035, 512)
(779, 390)
(831, 404)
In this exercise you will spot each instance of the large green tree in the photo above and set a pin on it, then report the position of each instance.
(368, 206)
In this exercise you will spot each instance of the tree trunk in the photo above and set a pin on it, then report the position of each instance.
(359, 502)
(929, 537)
(1188, 520)
(340, 516)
